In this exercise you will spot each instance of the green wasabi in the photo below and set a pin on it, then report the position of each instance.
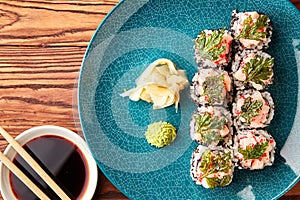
(160, 134)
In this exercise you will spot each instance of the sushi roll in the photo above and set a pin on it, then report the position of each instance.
(211, 87)
(211, 126)
(253, 149)
(252, 70)
(212, 167)
(252, 109)
(251, 30)
(212, 48)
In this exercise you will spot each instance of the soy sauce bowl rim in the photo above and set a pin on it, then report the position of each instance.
(35, 132)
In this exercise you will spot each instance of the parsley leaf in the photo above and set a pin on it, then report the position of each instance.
(211, 136)
(253, 31)
(207, 126)
(258, 70)
(213, 182)
(214, 163)
(254, 152)
(250, 109)
(210, 47)
(213, 88)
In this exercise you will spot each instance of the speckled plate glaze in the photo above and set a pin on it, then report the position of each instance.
(136, 33)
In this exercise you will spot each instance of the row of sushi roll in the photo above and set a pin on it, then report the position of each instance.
(233, 107)
(253, 107)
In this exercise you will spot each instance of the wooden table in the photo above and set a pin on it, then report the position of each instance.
(42, 43)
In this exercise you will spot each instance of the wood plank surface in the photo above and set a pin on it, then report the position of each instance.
(42, 43)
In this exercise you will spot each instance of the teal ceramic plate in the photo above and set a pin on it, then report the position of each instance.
(136, 33)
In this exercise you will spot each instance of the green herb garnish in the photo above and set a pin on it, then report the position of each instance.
(211, 136)
(206, 126)
(210, 164)
(253, 31)
(250, 109)
(213, 88)
(254, 152)
(258, 70)
(213, 182)
(209, 46)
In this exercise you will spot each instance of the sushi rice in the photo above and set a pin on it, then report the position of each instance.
(211, 167)
(212, 87)
(251, 30)
(230, 89)
(211, 126)
(212, 48)
(253, 149)
(252, 69)
(252, 109)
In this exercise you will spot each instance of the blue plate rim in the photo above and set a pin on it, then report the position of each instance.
(101, 24)
(78, 86)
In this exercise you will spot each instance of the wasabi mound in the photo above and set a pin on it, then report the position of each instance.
(160, 134)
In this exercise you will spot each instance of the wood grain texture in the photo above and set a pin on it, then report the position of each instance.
(296, 3)
(42, 43)
(50, 23)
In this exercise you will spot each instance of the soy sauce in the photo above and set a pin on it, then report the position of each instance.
(63, 162)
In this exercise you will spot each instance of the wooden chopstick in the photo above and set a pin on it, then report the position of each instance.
(34, 165)
(14, 169)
